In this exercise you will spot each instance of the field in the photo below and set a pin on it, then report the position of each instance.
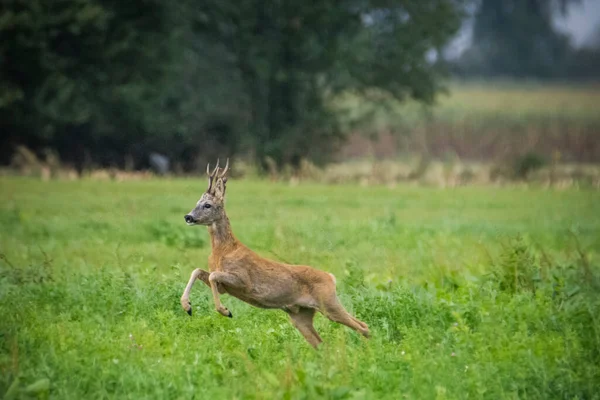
(481, 122)
(469, 292)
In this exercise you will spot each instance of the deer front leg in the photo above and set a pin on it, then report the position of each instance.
(185, 298)
(226, 279)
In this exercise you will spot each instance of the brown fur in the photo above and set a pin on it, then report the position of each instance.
(233, 268)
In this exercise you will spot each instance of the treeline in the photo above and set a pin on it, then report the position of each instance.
(518, 39)
(107, 82)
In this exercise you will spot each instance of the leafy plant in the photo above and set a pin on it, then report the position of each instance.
(519, 268)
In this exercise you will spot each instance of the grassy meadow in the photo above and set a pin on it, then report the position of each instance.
(491, 122)
(469, 292)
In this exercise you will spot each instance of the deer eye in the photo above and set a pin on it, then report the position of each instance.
(207, 205)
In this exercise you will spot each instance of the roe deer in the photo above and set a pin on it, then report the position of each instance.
(233, 268)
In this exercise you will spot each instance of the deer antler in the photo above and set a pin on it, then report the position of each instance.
(225, 169)
(210, 179)
(214, 174)
(211, 176)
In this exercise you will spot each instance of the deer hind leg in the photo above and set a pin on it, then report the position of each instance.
(303, 321)
(365, 326)
(185, 297)
(219, 278)
(337, 313)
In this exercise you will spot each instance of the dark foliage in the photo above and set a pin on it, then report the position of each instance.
(105, 82)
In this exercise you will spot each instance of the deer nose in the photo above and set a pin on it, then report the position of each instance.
(188, 218)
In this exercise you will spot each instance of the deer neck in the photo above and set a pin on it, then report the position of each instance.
(221, 236)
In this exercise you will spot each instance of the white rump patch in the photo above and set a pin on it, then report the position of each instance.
(333, 277)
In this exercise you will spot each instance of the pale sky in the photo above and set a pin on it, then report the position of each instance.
(581, 20)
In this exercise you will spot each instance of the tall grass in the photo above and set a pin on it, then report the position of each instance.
(469, 293)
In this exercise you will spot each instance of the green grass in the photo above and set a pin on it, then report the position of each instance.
(514, 102)
(469, 293)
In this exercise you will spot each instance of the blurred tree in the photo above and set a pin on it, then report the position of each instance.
(119, 79)
(585, 61)
(517, 38)
(200, 111)
(293, 56)
(74, 73)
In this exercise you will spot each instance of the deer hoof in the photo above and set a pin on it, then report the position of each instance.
(187, 306)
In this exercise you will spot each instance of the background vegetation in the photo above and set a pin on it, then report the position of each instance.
(484, 121)
(100, 83)
(99, 79)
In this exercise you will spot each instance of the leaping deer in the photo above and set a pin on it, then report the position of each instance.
(298, 290)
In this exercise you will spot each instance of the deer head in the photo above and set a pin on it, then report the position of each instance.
(210, 207)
